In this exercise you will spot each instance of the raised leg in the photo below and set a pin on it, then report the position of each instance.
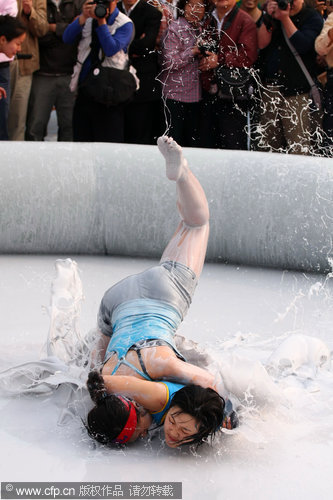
(189, 243)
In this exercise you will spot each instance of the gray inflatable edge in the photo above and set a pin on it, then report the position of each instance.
(267, 210)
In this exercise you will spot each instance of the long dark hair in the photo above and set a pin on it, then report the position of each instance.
(205, 405)
(109, 415)
(11, 27)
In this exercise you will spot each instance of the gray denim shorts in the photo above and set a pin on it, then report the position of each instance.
(170, 282)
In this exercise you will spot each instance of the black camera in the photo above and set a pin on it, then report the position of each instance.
(19, 55)
(206, 46)
(101, 8)
(283, 4)
(203, 50)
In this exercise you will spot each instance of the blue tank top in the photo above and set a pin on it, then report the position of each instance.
(172, 388)
(141, 319)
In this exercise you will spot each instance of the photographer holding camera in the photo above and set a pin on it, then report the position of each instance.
(104, 34)
(287, 121)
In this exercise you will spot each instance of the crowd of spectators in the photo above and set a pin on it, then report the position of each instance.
(211, 73)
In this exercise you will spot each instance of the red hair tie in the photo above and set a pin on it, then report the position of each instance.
(130, 425)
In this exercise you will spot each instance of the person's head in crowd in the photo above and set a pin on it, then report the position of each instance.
(12, 34)
(284, 7)
(129, 3)
(98, 9)
(224, 6)
(192, 10)
(324, 7)
(251, 8)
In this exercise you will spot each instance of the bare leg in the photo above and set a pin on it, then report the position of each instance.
(189, 243)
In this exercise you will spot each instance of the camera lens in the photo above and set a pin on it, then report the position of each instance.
(100, 11)
(283, 4)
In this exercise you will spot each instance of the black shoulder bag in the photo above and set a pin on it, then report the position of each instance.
(233, 82)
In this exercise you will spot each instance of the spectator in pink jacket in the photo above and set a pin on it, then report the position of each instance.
(181, 85)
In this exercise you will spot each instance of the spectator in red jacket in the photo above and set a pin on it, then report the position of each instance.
(229, 44)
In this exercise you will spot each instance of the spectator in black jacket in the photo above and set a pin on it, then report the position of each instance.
(50, 85)
(141, 115)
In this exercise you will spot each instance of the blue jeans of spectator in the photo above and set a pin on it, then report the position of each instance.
(4, 102)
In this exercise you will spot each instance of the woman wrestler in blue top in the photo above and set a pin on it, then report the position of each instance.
(138, 318)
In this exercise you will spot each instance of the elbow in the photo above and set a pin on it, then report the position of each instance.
(66, 38)
(110, 53)
(112, 49)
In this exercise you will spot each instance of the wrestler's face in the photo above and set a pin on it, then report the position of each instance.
(179, 427)
(144, 422)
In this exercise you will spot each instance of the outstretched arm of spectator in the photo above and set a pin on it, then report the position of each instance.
(34, 17)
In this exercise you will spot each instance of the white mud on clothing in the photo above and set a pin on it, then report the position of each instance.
(281, 383)
(285, 378)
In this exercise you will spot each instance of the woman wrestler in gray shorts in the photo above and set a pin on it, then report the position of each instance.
(138, 318)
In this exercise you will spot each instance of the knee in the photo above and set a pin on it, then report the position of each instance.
(200, 217)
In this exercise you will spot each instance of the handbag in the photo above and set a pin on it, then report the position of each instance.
(233, 82)
(315, 87)
(109, 86)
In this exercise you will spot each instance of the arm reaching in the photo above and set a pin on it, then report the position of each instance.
(176, 370)
(151, 395)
